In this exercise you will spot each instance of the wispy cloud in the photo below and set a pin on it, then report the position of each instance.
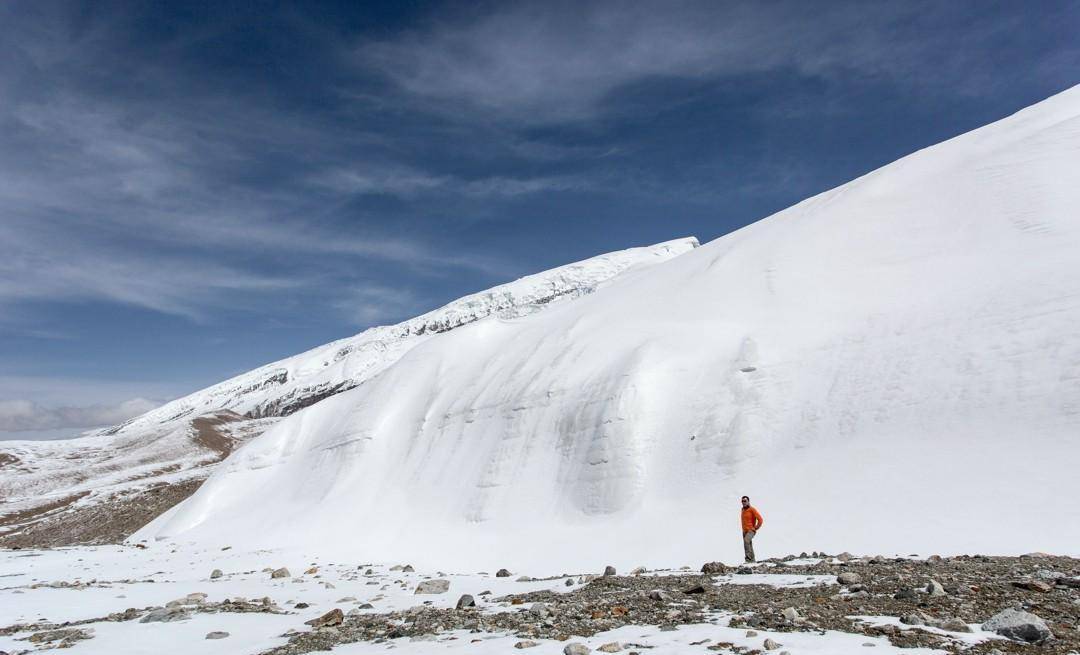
(550, 62)
(24, 415)
(558, 61)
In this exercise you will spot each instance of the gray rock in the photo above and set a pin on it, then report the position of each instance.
(569, 582)
(466, 601)
(849, 578)
(526, 644)
(714, 568)
(332, 618)
(934, 588)
(953, 625)
(539, 610)
(576, 649)
(407, 568)
(791, 615)
(905, 594)
(751, 633)
(770, 645)
(660, 595)
(609, 570)
(280, 573)
(438, 586)
(165, 615)
(524, 578)
(217, 634)
(215, 574)
(502, 573)
(1018, 625)
(639, 570)
(612, 647)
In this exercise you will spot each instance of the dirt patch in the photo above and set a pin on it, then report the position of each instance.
(209, 435)
(107, 522)
(39, 512)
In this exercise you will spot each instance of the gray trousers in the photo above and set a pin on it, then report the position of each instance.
(748, 545)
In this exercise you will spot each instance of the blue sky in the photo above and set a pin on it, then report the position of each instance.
(190, 190)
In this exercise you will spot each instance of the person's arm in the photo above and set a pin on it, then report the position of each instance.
(758, 521)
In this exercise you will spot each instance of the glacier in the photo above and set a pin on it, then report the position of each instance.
(890, 366)
(174, 447)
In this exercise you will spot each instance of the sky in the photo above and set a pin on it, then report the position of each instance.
(189, 190)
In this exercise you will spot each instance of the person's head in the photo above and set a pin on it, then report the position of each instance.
(746, 501)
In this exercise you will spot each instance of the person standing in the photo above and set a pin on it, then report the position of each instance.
(751, 523)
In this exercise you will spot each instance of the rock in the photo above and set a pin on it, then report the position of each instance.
(953, 625)
(330, 619)
(524, 578)
(1034, 585)
(714, 568)
(526, 644)
(849, 578)
(934, 588)
(312, 571)
(576, 649)
(1018, 625)
(609, 570)
(744, 570)
(539, 610)
(660, 595)
(791, 615)
(215, 574)
(845, 557)
(905, 594)
(302, 606)
(914, 618)
(466, 601)
(639, 570)
(696, 589)
(217, 634)
(280, 573)
(165, 615)
(770, 645)
(438, 586)
(66, 636)
(503, 573)
(751, 633)
(569, 582)
(407, 568)
(612, 647)
(196, 598)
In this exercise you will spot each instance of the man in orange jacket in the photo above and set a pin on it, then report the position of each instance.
(751, 523)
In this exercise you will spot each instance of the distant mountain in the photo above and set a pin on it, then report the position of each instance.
(102, 486)
(892, 366)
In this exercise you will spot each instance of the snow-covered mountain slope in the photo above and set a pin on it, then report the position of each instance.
(176, 445)
(892, 365)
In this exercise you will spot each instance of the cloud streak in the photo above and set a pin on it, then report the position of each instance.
(25, 416)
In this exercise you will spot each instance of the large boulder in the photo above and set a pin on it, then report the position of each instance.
(1018, 625)
(714, 568)
(438, 586)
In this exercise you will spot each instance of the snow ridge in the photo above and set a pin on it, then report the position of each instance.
(892, 366)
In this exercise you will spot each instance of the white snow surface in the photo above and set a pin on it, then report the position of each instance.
(134, 454)
(891, 366)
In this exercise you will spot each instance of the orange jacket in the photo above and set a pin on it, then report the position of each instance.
(751, 520)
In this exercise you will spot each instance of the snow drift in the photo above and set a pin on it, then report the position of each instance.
(890, 366)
